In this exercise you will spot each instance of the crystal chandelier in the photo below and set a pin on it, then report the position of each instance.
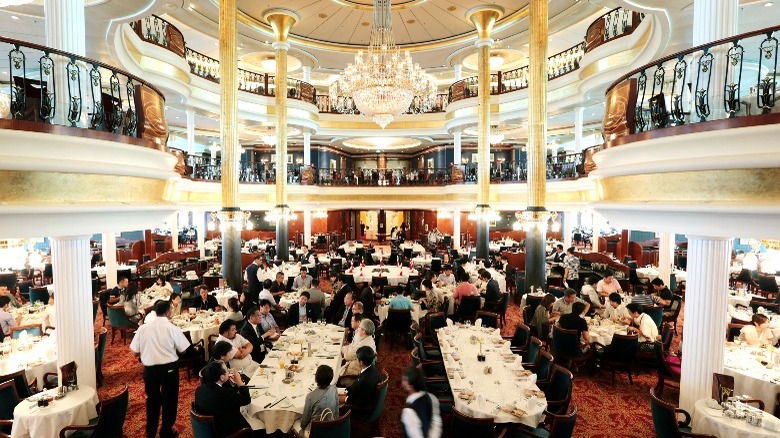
(495, 136)
(280, 212)
(270, 137)
(382, 84)
(483, 213)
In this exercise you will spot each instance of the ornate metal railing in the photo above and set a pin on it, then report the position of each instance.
(383, 177)
(156, 30)
(51, 86)
(614, 24)
(559, 167)
(696, 85)
(261, 84)
(325, 105)
(558, 65)
(210, 169)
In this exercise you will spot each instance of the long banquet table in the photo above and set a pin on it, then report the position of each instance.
(493, 395)
(268, 379)
(395, 275)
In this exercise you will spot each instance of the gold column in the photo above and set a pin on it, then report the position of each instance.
(230, 217)
(484, 18)
(536, 215)
(281, 21)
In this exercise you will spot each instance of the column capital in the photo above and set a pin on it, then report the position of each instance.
(189, 112)
(708, 238)
(484, 17)
(72, 238)
(278, 45)
(281, 21)
(484, 42)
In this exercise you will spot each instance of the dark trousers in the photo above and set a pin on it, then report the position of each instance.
(161, 383)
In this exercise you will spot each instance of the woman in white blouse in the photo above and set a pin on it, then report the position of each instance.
(160, 285)
(759, 334)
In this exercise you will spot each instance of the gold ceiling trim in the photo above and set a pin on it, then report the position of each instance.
(362, 7)
(735, 186)
(155, 65)
(60, 188)
(265, 29)
(471, 110)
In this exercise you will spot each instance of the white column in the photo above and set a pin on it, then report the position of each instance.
(307, 226)
(458, 72)
(705, 312)
(456, 153)
(456, 228)
(567, 227)
(109, 257)
(306, 73)
(578, 116)
(712, 21)
(64, 31)
(71, 259)
(199, 218)
(594, 240)
(190, 131)
(307, 149)
(175, 231)
(665, 256)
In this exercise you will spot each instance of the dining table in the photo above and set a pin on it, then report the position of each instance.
(290, 270)
(603, 330)
(395, 274)
(708, 418)
(746, 316)
(473, 270)
(100, 271)
(36, 355)
(34, 314)
(650, 273)
(498, 387)
(383, 309)
(742, 298)
(290, 298)
(351, 247)
(223, 296)
(415, 247)
(77, 407)
(278, 401)
(200, 324)
(756, 372)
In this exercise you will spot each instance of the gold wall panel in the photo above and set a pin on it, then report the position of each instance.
(58, 188)
(754, 186)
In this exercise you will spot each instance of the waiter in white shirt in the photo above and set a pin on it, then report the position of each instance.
(157, 343)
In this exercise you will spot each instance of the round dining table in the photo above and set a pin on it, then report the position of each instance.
(383, 309)
(750, 376)
(290, 298)
(76, 408)
(711, 421)
(395, 275)
(35, 355)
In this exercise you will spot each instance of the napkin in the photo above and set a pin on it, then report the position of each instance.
(770, 423)
(449, 322)
(478, 323)
(519, 362)
(531, 380)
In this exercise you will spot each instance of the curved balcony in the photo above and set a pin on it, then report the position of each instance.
(614, 24)
(325, 105)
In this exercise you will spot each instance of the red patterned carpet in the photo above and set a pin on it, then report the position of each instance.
(604, 410)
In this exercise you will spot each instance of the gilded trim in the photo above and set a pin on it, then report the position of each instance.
(155, 65)
(618, 59)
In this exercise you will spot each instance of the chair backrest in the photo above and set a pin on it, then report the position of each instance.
(9, 398)
(117, 316)
(562, 426)
(534, 347)
(532, 302)
(414, 357)
(733, 331)
(20, 382)
(565, 343)
(435, 321)
(202, 425)
(95, 305)
(560, 386)
(676, 305)
(30, 329)
(624, 347)
(522, 336)
(722, 387)
(655, 312)
(113, 412)
(543, 365)
(467, 426)
(664, 417)
(100, 351)
(398, 320)
(39, 294)
(381, 394)
(469, 306)
(503, 304)
(555, 290)
(338, 428)
(489, 319)
(666, 336)
(660, 361)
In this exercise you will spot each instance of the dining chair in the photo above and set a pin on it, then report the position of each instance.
(194, 357)
(532, 354)
(667, 372)
(489, 319)
(9, 398)
(30, 329)
(397, 324)
(100, 353)
(119, 321)
(112, 413)
(553, 426)
(665, 419)
(367, 418)
(95, 305)
(203, 427)
(520, 340)
(336, 428)
(541, 367)
(558, 391)
(39, 295)
(733, 331)
(432, 322)
(428, 352)
(466, 426)
(620, 355)
(502, 307)
(723, 388)
(565, 346)
(671, 316)
(532, 301)
(468, 308)
(655, 312)
(24, 388)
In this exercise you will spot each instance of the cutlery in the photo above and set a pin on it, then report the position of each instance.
(280, 400)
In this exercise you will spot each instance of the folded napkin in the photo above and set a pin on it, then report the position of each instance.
(519, 362)
(770, 423)
(478, 323)
(449, 322)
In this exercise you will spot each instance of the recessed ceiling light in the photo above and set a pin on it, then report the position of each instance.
(768, 4)
(14, 17)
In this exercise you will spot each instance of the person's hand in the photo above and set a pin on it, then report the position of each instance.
(237, 378)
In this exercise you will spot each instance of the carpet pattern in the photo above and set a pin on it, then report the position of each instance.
(603, 410)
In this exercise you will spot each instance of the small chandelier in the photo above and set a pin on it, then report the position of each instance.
(483, 213)
(382, 84)
(280, 212)
(242, 217)
(495, 136)
(320, 214)
(270, 137)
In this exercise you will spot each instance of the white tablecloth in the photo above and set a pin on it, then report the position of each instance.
(223, 296)
(743, 300)
(35, 315)
(101, 270)
(78, 407)
(289, 269)
(351, 247)
(492, 247)
(416, 247)
(750, 377)
(269, 377)
(395, 276)
(203, 325)
(711, 421)
(651, 273)
(473, 271)
(501, 388)
(35, 358)
(383, 309)
(424, 260)
(291, 298)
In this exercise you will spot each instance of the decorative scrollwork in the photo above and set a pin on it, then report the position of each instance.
(74, 91)
(703, 78)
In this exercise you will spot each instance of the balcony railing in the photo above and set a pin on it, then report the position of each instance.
(559, 167)
(517, 79)
(614, 24)
(261, 84)
(700, 84)
(383, 177)
(54, 87)
(210, 169)
(158, 31)
(325, 105)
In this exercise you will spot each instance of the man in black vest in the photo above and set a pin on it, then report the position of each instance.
(255, 286)
(421, 415)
